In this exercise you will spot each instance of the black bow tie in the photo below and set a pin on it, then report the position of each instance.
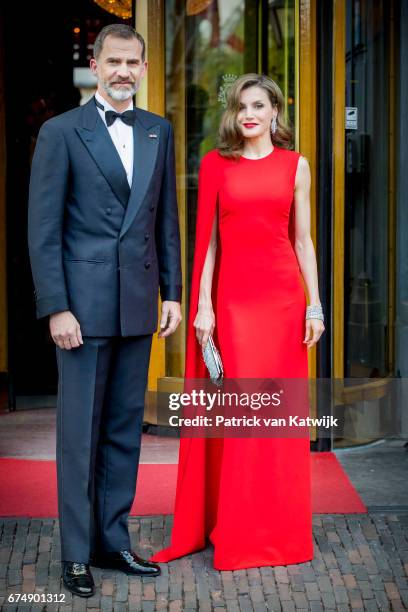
(127, 117)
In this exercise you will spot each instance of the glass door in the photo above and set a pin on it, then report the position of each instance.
(365, 404)
(366, 263)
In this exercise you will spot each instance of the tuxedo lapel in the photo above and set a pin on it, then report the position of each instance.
(145, 148)
(97, 140)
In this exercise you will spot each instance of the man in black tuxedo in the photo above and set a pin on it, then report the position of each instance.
(103, 238)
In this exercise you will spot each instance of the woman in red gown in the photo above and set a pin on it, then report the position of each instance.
(250, 497)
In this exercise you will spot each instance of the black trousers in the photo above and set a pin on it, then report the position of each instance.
(101, 390)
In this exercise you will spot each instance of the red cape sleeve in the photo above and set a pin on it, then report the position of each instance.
(208, 187)
(189, 526)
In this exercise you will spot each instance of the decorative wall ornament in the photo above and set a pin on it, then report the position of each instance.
(227, 81)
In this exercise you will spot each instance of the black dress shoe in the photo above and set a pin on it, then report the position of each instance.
(78, 578)
(125, 561)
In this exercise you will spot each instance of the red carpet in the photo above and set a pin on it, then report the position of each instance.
(28, 488)
(332, 491)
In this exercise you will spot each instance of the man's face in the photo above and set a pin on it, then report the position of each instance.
(119, 67)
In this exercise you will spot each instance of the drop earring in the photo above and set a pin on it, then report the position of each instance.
(273, 125)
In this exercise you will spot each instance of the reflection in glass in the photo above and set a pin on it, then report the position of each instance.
(366, 191)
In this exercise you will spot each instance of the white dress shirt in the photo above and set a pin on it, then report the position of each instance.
(121, 134)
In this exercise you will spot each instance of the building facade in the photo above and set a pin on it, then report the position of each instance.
(340, 65)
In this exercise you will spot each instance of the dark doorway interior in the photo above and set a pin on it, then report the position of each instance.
(41, 50)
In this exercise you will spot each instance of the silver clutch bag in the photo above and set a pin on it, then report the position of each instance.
(212, 360)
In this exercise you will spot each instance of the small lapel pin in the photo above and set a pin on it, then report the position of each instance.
(152, 135)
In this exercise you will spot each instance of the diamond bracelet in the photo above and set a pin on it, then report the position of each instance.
(314, 312)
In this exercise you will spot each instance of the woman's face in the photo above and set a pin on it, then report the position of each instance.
(256, 112)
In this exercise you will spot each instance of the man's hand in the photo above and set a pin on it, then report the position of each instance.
(170, 318)
(65, 330)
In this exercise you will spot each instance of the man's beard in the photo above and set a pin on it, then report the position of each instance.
(121, 94)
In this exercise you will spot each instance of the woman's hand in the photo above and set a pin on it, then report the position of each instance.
(204, 324)
(314, 329)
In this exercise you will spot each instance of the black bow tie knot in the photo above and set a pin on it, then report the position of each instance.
(127, 117)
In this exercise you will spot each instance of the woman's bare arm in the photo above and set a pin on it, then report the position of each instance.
(304, 248)
(205, 319)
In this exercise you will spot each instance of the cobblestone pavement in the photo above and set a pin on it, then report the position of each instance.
(361, 563)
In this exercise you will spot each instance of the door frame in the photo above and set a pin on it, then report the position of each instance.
(306, 71)
(339, 79)
(377, 387)
(338, 178)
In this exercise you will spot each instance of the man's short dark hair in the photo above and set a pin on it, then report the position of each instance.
(119, 30)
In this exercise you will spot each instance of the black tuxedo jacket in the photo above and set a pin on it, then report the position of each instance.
(97, 247)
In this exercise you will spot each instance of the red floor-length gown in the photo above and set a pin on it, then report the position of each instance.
(250, 497)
